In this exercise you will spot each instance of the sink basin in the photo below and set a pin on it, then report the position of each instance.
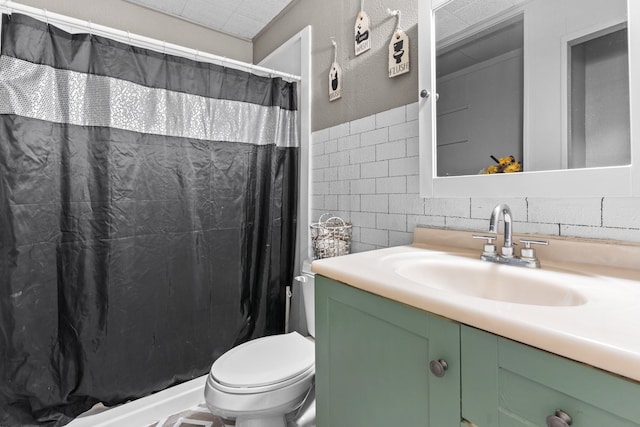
(492, 281)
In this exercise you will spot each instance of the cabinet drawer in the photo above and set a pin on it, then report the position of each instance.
(523, 401)
(523, 385)
(532, 378)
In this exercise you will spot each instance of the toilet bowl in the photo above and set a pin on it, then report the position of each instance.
(261, 381)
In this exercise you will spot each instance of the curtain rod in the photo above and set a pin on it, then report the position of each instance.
(77, 25)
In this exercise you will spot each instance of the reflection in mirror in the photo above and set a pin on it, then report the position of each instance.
(530, 85)
(599, 100)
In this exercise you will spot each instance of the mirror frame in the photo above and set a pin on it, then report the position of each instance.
(614, 181)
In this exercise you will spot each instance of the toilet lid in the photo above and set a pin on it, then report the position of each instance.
(265, 361)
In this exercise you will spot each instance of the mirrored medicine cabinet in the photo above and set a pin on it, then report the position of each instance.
(546, 85)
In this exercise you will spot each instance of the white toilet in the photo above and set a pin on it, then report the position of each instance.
(257, 383)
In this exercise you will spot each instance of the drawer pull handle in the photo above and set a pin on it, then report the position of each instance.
(438, 367)
(560, 419)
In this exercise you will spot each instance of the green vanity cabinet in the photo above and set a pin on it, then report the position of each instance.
(372, 362)
(373, 369)
(508, 384)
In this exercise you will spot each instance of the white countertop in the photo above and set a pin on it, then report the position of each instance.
(604, 332)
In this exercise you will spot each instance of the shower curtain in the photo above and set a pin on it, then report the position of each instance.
(147, 218)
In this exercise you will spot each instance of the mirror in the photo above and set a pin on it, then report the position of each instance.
(539, 88)
(479, 81)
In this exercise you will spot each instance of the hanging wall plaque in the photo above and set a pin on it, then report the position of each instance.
(398, 49)
(335, 82)
(362, 33)
(399, 54)
(335, 75)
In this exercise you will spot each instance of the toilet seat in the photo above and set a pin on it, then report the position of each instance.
(264, 364)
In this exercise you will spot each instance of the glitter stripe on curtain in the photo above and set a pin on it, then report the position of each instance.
(147, 218)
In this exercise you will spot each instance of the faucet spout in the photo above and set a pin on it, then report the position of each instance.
(504, 210)
(506, 255)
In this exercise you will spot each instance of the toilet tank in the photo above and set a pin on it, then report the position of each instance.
(308, 297)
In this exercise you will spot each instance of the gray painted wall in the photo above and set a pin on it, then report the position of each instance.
(367, 88)
(145, 22)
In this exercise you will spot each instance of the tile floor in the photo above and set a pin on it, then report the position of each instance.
(198, 415)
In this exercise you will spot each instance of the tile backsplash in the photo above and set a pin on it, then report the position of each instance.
(366, 171)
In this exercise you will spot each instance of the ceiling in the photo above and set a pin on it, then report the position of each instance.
(472, 31)
(239, 18)
(457, 16)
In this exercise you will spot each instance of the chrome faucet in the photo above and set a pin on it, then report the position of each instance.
(505, 210)
(527, 256)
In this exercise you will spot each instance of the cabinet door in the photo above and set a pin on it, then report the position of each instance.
(508, 384)
(372, 362)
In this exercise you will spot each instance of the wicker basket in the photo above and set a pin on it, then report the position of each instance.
(331, 237)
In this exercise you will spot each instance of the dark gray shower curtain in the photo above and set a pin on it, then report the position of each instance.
(147, 218)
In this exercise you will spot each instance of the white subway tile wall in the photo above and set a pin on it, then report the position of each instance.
(366, 171)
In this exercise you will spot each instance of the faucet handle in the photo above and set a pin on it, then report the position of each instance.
(528, 252)
(489, 248)
(486, 237)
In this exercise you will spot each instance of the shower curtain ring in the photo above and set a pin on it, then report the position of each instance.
(46, 17)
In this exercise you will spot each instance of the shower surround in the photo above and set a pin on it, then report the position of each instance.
(147, 217)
